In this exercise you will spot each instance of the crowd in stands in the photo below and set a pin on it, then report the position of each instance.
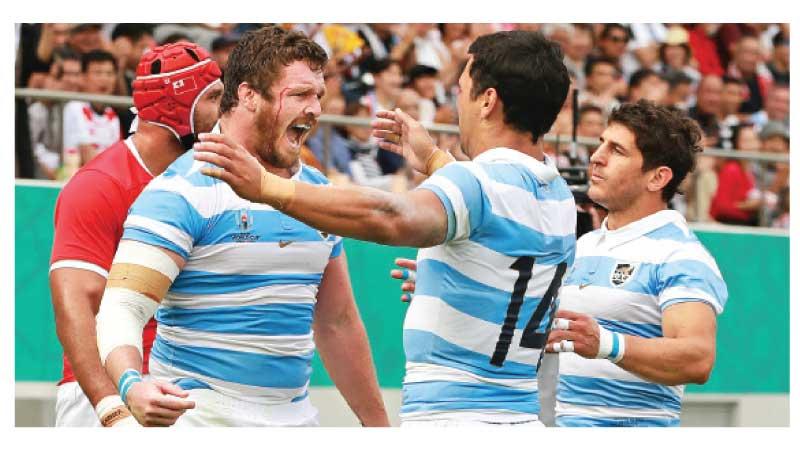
(732, 78)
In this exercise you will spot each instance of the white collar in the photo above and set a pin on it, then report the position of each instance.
(642, 226)
(137, 155)
(545, 171)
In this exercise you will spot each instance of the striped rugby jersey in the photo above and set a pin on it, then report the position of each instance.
(237, 319)
(475, 329)
(625, 279)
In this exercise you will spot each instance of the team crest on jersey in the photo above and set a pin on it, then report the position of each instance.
(244, 223)
(622, 273)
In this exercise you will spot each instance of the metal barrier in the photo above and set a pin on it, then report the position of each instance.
(327, 121)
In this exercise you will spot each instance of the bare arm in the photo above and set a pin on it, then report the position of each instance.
(686, 352)
(684, 355)
(76, 298)
(342, 342)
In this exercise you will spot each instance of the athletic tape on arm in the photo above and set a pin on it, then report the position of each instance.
(139, 278)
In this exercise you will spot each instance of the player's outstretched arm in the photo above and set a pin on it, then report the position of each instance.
(684, 355)
(137, 282)
(76, 297)
(343, 346)
(416, 218)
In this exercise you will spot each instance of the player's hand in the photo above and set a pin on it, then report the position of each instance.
(157, 403)
(583, 333)
(400, 133)
(408, 274)
(235, 165)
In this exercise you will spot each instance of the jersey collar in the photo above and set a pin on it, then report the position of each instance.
(641, 227)
(546, 171)
(135, 152)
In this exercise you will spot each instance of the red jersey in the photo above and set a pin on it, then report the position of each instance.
(90, 212)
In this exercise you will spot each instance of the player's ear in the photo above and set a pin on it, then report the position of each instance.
(659, 178)
(247, 96)
(489, 101)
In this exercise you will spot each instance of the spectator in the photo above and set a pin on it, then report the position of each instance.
(775, 176)
(65, 75)
(778, 65)
(221, 48)
(174, 38)
(738, 199)
(613, 45)
(776, 107)
(707, 110)
(423, 80)
(52, 36)
(782, 219)
(410, 101)
(85, 37)
(90, 127)
(364, 166)
(339, 155)
(675, 54)
(129, 41)
(702, 40)
(679, 90)
(747, 65)
(733, 93)
(577, 51)
(647, 84)
(388, 81)
(591, 123)
(645, 41)
(600, 78)
(379, 40)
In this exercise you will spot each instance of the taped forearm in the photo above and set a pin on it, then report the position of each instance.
(139, 278)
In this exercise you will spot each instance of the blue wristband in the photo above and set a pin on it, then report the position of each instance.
(126, 380)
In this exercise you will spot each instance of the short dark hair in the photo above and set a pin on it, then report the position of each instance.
(606, 32)
(65, 54)
(589, 108)
(779, 39)
(676, 78)
(638, 77)
(95, 56)
(528, 72)
(259, 57)
(727, 79)
(592, 62)
(379, 65)
(132, 31)
(666, 137)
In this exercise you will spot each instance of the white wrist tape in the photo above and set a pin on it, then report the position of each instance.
(612, 345)
(112, 412)
(139, 278)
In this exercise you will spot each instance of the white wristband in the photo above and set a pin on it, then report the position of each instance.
(112, 412)
(612, 345)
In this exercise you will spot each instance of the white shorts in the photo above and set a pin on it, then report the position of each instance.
(73, 408)
(213, 409)
(467, 423)
(469, 419)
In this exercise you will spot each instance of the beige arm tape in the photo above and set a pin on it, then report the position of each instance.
(437, 160)
(276, 191)
(112, 412)
(139, 278)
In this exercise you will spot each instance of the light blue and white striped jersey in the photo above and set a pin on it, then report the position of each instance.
(475, 329)
(625, 279)
(237, 319)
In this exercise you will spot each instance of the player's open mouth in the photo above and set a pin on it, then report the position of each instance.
(297, 132)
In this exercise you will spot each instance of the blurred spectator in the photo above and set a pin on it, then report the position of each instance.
(679, 90)
(702, 40)
(613, 45)
(129, 41)
(409, 101)
(90, 128)
(738, 199)
(675, 54)
(379, 40)
(364, 166)
(388, 81)
(776, 107)
(782, 218)
(707, 110)
(778, 65)
(647, 84)
(774, 176)
(747, 64)
(221, 48)
(65, 75)
(421, 43)
(645, 42)
(423, 80)
(577, 51)
(339, 156)
(85, 37)
(733, 93)
(52, 37)
(174, 38)
(591, 121)
(601, 73)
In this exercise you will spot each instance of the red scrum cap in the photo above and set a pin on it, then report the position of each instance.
(169, 81)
